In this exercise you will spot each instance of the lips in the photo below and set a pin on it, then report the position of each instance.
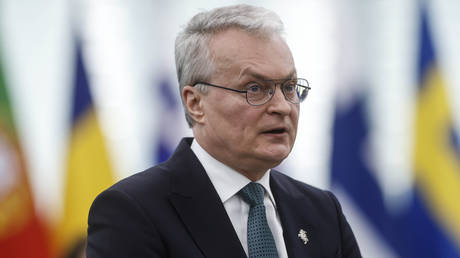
(278, 130)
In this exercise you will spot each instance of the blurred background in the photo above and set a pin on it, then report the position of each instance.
(88, 96)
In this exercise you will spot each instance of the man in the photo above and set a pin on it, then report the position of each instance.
(218, 196)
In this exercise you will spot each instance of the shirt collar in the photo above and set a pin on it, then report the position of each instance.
(226, 180)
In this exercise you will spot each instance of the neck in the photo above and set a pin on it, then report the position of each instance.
(253, 172)
(253, 176)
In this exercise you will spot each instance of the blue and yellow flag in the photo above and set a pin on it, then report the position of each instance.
(429, 225)
(436, 152)
(89, 170)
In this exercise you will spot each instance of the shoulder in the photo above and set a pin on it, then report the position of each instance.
(143, 189)
(136, 197)
(152, 187)
(152, 180)
(314, 197)
(127, 209)
(296, 187)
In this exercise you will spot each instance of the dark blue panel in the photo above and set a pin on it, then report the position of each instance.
(427, 239)
(455, 143)
(414, 233)
(81, 93)
(168, 108)
(426, 51)
(168, 97)
(163, 152)
(349, 170)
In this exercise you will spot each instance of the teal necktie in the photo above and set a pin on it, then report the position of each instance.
(260, 238)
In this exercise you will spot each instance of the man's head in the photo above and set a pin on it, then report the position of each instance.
(237, 47)
(194, 61)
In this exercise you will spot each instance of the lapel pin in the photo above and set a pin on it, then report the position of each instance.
(303, 236)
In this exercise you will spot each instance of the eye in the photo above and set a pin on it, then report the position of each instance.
(290, 87)
(253, 88)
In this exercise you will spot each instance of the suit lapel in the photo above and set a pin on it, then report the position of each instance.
(199, 206)
(294, 218)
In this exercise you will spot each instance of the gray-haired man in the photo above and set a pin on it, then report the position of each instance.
(218, 196)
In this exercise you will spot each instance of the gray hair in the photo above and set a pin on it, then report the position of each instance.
(194, 61)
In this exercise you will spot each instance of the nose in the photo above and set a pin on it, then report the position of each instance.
(279, 104)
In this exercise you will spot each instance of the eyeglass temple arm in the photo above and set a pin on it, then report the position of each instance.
(217, 86)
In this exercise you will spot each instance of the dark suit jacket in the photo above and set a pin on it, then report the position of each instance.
(173, 210)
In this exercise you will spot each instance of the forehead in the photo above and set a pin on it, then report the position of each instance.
(238, 54)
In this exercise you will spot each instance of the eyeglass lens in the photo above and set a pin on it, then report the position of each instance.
(294, 91)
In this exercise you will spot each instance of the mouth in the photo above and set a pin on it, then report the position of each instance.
(276, 131)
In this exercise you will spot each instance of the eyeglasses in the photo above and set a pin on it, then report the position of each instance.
(259, 93)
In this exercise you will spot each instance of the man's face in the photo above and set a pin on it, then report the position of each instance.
(250, 139)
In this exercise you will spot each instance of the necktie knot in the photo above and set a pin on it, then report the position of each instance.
(253, 194)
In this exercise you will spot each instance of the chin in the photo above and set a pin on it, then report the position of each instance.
(280, 149)
(276, 156)
(273, 153)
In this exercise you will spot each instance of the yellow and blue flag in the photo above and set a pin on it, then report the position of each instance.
(88, 166)
(437, 153)
(429, 225)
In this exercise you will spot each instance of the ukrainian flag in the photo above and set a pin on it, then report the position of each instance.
(88, 167)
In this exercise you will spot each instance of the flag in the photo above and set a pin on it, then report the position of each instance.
(436, 152)
(22, 233)
(172, 120)
(88, 166)
(429, 224)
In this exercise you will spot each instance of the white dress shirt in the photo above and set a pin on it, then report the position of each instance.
(228, 183)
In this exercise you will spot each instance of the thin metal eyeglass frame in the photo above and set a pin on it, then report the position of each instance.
(246, 92)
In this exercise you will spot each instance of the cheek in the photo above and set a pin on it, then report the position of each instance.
(242, 125)
(228, 118)
(232, 116)
(295, 116)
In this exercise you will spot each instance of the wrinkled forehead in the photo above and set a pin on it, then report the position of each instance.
(247, 54)
(233, 46)
(238, 39)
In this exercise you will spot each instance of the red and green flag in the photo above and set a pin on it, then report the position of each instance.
(22, 234)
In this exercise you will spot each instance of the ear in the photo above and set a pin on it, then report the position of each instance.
(193, 102)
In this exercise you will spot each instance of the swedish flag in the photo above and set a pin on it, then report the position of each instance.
(436, 152)
(429, 224)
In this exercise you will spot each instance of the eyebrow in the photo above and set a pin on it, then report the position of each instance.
(249, 72)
